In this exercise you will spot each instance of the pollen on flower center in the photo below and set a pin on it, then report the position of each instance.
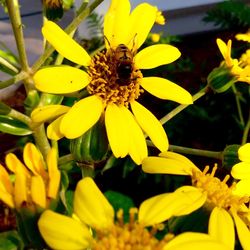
(106, 84)
(218, 192)
(131, 235)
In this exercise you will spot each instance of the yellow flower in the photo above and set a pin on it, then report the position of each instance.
(227, 209)
(114, 82)
(160, 19)
(244, 37)
(241, 171)
(236, 67)
(33, 186)
(155, 37)
(91, 209)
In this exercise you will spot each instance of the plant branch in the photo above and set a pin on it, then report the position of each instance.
(20, 116)
(246, 131)
(17, 78)
(238, 105)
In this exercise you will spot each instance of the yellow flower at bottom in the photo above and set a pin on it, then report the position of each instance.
(114, 82)
(227, 208)
(33, 186)
(91, 208)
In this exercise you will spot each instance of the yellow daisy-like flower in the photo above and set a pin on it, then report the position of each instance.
(236, 67)
(91, 209)
(33, 186)
(113, 80)
(227, 209)
(241, 171)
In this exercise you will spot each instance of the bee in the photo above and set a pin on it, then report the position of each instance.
(123, 57)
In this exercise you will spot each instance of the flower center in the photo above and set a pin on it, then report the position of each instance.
(218, 192)
(114, 77)
(131, 235)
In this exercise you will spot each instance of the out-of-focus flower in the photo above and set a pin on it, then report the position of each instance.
(243, 37)
(155, 37)
(32, 187)
(91, 208)
(160, 19)
(227, 209)
(114, 82)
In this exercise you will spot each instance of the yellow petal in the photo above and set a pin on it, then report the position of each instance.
(54, 174)
(241, 170)
(194, 241)
(242, 231)
(165, 89)
(45, 113)
(60, 79)
(117, 130)
(5, 180)
(62, 232)
(53, 130)
(221, 227)
(64, 44)
(33, 160)
(137, 144)
(242, 188)
(156, 55)
(6, 197)
(91, 206)
(116, 23)
(20, 189)
(150, 125)
(243, 37)
(244, 153)
(141, 22)
(161, 207)
(37, 191)
(225, 50)
(81, 117)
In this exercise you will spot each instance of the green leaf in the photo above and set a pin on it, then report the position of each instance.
(13, 126)
(4, 109)
(10, 241)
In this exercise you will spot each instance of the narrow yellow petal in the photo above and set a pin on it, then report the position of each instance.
(91, 206)
(222, 47)
(60, 79)
(117, 131)
(49, 112)
(64, 44)
(6, 197)
(242, 231)
(54, 174)
(194, 241)
(33, 160)
(20, 189)
(244, 152)
(156, 55)
(116, 23)
(37, 191)
(150, 125)
(5, 180)
(62, 232)
(141, 22)
(137, 144)
(241, 170)
(165, 89)
(221, 227)
(53, 130)
(81, 117)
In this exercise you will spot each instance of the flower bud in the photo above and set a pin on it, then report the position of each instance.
(53, 9)
(221, 79)
(230, 156)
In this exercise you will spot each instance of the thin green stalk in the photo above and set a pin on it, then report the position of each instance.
(20, 116)
(15, 18)
(238, 105)
(246, 131)
(17, 78)
(181, 107)
(72, 26)
(65, 159)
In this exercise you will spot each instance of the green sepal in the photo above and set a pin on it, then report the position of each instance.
(51, 99)
(31, 101)
(221, 79)
(91, 147)
(4, 109)
(230, 156)
(13, 126)
(10, 240)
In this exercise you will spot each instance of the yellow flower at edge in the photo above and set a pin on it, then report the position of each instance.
(236, 67)
(91, 208)
(227, 209)
(244, 37)
(241, 171)
(33, 187)
(114, 85)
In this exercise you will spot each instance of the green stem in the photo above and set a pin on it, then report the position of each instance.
(65, 159)
(72, 26)
(238, 105)
(246, 131)
(14, 14)
(17, 78)
(87, 169)
(20, 116)
(181, 107)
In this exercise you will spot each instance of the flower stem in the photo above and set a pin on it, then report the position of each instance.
(87, 169)
(17, 78)
(20, 116)
(181, 107)
(65, 159)
(72, 26)
(242, 122)
(14, 14)
(246, 131)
